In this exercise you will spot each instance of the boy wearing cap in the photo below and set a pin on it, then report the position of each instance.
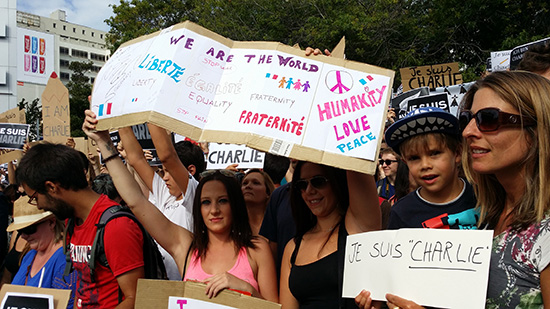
(429, 142)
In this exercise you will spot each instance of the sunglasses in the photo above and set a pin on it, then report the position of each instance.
(317, 182)
(387, 162)
(33, 199)
(226, 173)
(491, 119)
(31, 229)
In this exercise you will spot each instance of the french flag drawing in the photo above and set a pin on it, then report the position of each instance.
(105, 109)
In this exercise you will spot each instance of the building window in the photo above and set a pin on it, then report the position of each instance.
(101, 36)
(92, 80)
(63, 50)
(74, 30)
(54, 25)
(97, 57)
(64, 75)
(64, 63)
(79, 53)
(64, 27)
(92, 34)
(83, 31)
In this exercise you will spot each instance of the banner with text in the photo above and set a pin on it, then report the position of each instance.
(431, 76)
(427, 266)
(56, 114)
(265, 95)
(500, 60)
(516, 55)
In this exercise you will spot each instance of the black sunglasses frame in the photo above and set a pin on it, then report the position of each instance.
(497, 120)
(317, 182)
(31, 229)
(388, 162)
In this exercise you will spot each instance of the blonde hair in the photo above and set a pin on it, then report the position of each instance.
(529, 94)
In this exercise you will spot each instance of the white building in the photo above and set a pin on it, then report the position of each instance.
(72, 42)
(8, 55)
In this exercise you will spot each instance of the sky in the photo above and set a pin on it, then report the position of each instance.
(90, 13)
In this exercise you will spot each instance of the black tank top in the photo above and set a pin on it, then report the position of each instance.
(319, 284)
(11, 263)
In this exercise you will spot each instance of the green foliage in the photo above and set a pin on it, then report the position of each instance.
(33, 115)
(388, 33)
(79, 89)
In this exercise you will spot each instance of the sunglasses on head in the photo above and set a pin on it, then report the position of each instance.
(491, 119)
(387, 162)
(316, 182)
(226, 173)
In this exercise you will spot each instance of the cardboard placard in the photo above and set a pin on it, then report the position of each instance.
(81, 144)
(9, 155)
(13, 115)
(431, 76)
(262, 94)
(156, 294)
(60, 297)
(427, 266)
(55, 111)
(222, 155)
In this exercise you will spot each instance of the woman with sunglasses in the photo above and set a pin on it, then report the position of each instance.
(389, 160)
(327, 204)
(43, 265)
(221, 251)
(505, 122)
(506, 127)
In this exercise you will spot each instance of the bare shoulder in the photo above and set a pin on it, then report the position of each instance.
(262, 247)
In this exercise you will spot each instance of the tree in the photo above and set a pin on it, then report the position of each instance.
(33, 114)
(388, 33)
(79, 89)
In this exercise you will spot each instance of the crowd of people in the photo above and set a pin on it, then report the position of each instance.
(279, 233)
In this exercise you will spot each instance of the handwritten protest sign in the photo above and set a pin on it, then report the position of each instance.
(222, 155)
(400, 102)
(265, 95)
(13, 136)
(431, 76)
(55, 111)
(432, 100)
(517, 53)
(500, 60)
(27, 300)
(428, 266)
(13, 115)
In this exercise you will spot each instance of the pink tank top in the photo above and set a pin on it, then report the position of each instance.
(241, 269)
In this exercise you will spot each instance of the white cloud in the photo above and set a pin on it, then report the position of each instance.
(83, 12)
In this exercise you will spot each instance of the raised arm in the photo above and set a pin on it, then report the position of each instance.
(134, 156)
(364, 213)
(168, 156)
(174, 238)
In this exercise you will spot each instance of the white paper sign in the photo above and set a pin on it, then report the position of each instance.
(432, 267)
(184, 303)
(500, 60)
(222, 155)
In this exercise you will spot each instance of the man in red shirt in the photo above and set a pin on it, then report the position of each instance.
(54, 178)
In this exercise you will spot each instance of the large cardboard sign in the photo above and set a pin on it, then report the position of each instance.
(60, 297)
(13, 135)
(428, 266)
(55, 111)
(13, 115)
(517, 53)
(222, 155)
(157, 293)
(431, 76)
(35, 56)
(265, 95)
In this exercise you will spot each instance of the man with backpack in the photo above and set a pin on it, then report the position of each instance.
(53, 177)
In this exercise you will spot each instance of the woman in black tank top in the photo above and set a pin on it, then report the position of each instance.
(327, 204)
